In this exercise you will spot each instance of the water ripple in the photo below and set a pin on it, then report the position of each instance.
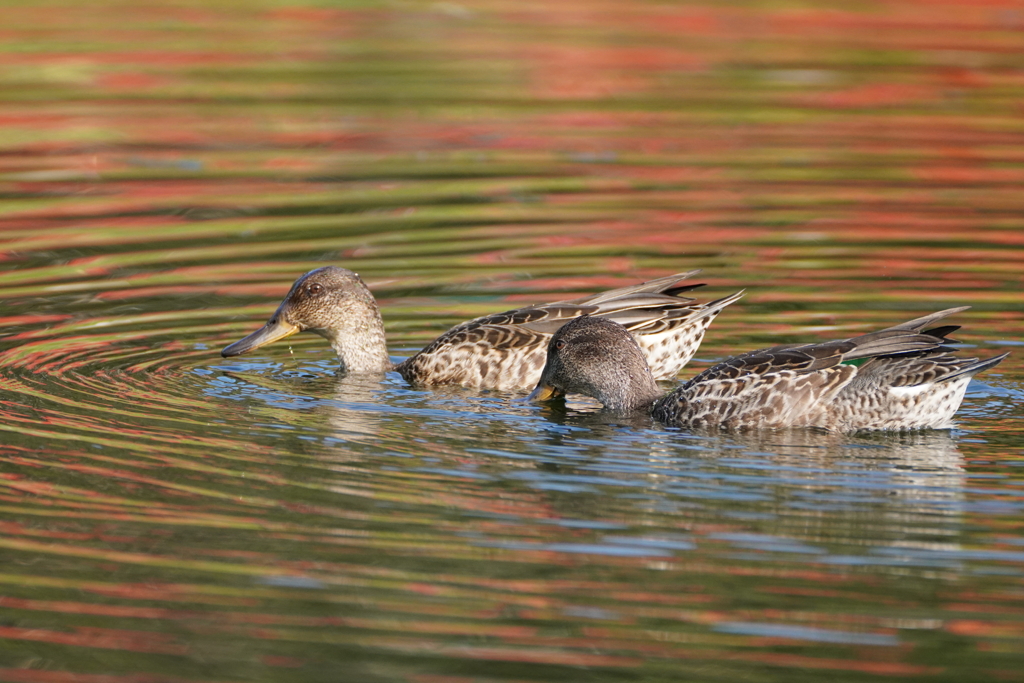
(166, 514)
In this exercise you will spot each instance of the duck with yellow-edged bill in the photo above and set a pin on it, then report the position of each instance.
(500, 351)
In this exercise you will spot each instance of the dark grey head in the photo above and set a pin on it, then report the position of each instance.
(334, 303)
(597, 357)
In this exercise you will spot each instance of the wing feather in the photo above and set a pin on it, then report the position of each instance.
(667, 327)
(903, 377)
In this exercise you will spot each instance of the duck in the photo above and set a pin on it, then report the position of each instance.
(502, 351)
(900, 378)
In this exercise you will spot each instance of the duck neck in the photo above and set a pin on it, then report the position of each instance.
(361, 347)
(636, 393)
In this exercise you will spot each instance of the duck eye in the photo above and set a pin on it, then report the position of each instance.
(560, 344)
(314, 288)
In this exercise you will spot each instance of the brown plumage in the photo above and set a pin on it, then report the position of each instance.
(499, 351)
(902, 377)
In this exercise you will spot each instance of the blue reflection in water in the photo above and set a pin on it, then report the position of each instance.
(805, 633)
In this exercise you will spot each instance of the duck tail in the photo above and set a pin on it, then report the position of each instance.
(918, 324)
(661, 285)
(713, 308)
(973, 366)
(905, 338)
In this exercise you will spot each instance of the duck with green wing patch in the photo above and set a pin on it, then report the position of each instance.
(902, 377)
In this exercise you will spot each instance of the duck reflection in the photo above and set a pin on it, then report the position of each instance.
(869, 490)
(350, 407)
(841, 494)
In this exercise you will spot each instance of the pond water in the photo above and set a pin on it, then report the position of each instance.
(168, 170)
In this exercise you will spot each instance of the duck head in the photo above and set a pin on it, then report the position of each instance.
(335, 304)
(597, 357)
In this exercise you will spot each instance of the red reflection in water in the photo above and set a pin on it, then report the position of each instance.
(171, 170)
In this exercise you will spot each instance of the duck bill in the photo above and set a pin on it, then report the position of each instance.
(273, 331)
(544, 392)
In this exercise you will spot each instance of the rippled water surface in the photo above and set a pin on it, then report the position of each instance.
(167, 170)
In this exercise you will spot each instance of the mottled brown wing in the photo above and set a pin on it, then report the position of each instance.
(628, 309)
(796, 358)
(484, 351)
(775, 387)
(899, 377)
(905, 339)
(480, 355)
(543, 319)
(781, 398)
(909, 371)
(499, 351)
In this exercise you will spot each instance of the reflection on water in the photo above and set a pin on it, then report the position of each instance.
(508, 536)
(166, 514)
